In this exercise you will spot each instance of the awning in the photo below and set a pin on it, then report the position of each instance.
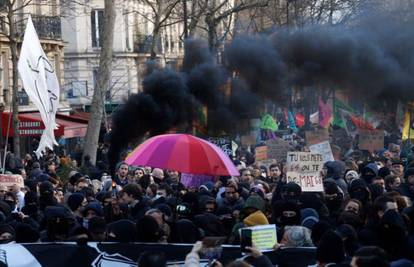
(31, 124)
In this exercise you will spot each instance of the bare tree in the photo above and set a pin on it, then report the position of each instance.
(104, 70)
(161, 16)
(13, 8)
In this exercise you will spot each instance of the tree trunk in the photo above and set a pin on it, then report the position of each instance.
(15, 88)
(185, 19)
(104, 71)
(154, 40)
(211, 26)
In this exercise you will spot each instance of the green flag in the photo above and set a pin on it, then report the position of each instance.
(268, 123)
(338, 105)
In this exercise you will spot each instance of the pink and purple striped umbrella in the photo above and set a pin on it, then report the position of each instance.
(183, 153)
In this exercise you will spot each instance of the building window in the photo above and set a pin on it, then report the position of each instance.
(97, 17)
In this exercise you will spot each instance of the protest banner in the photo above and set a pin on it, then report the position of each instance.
(304, 168)
(195, 180)
(9, 180)
(323, 148)
(277, 149)
(317, 136)
(261, 153)
(264, 237)
(371, 140)
(224, 143)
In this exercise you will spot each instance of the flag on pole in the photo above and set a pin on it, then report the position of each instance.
(40, 83)
(408, 127)
(325, 113)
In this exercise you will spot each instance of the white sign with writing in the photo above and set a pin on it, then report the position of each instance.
(323, 148)
(304, 168)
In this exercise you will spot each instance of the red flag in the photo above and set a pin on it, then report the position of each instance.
(325, 113)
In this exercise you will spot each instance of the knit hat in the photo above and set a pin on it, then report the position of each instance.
(351, 175)
(45, 188)
(331, 248)
(42, 177)
(7, 228)
(25, 233)
(258, 190)
(158, 173)
(74, 177)
(75, 201)
(122, 231)
(309, 217)
(96, 207)
(255, 202)
(256, 218)
(292, 189)
(57, 212)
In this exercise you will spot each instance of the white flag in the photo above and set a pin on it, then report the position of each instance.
(40, 83)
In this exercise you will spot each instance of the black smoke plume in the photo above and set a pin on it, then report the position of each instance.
(372, 59)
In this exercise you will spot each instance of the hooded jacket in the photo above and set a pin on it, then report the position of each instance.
(335, 172)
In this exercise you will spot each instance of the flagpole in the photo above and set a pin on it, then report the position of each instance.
(7, 141)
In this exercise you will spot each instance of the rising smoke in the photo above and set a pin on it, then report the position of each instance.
(372, 59)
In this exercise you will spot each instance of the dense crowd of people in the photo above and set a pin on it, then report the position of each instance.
(363, 218)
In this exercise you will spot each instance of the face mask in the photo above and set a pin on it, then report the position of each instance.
(11, 204)
(361, 195)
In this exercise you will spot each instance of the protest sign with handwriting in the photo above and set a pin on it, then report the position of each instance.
(305, 168)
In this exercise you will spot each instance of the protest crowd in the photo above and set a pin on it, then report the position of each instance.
(363, 217)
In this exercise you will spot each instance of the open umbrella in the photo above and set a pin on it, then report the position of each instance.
(183, 153)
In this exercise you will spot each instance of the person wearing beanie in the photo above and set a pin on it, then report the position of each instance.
(309, 217)
(25, 233)
(158, 175)
(397, 168)
(148, 230)
(93, 209)
(291, 191)
(7, 234)
(330, 250)
(351, 175)
(122, 231)
(256, 218)
(369, 172)
(296, 236)
(76, 202)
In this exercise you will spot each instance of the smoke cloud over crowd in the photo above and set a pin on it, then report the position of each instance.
(372, 59)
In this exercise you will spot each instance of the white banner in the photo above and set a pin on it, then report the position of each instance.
(40, 83)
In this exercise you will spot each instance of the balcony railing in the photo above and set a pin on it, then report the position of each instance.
(47, 27)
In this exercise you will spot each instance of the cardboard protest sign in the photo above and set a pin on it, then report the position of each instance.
(277, 149)
(323, 148)
(195, 180)
(304, 168)
(9, 180)
(224, 143)
(264, 237)
(261, 153)
(315, 137)
(371, 140)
